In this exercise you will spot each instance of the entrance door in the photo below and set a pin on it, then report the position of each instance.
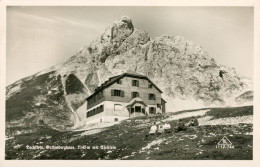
(137, 108)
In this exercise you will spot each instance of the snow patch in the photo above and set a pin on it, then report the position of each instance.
(187, 115)
(225, 121)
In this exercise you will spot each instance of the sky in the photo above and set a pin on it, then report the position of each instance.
(40, 37)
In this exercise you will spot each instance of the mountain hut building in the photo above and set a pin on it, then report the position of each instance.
(123, 96)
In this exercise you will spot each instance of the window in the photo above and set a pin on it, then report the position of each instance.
(117, 107)
(143, 111)
(158, 105)
(135, 94)
(132, 110)
(138, 109)
(115, 92)
(135, 83)
(152, 110)
(116, 119)
(151, 96)
(95, 111)
(150, 85)
(101, 108)
(119, 81)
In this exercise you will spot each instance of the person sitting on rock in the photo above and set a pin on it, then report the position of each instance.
(153, 130)
(180, 126)
(160, 128)
(167, 127)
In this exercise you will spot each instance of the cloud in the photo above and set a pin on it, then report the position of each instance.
(78, 22)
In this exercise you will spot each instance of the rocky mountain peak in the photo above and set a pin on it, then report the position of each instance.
(182, 69)
(118, 32)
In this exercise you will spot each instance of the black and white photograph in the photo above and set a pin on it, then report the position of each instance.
(129, 83)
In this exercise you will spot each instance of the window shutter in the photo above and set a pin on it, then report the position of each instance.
(112, 92)
(137, 94)
(154, 97)
(137, 83)
(122, 93)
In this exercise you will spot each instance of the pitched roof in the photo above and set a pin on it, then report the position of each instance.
(114, 79)
(136, 100)
(163, 100)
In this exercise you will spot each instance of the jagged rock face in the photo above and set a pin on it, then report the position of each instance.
(188, 76)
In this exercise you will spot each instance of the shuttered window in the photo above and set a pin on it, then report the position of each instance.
(152, 110)
(135, 83)
(119, 93)
(135, 94)
(151, 96)
(158, 105)
(119, 81)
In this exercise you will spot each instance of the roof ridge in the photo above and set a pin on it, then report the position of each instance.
(113, 79)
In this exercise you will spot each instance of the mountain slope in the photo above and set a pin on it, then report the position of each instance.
(185, 72)
(127, 140)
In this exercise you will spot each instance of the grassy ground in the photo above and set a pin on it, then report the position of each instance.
(131, 143)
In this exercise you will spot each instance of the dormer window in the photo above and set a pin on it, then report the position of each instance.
(119, 81)
(135, 83)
